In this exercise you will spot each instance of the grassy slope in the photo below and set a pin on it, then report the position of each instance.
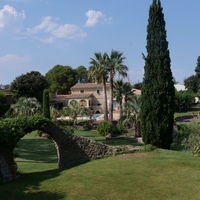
(158, 175)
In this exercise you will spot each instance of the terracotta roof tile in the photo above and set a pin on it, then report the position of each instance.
(62, 98)
(59, 98)
(80, 96)
(87, 85)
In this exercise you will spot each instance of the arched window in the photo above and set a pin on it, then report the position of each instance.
(83, 102)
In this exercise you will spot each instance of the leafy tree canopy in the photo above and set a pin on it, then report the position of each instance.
(183, 100)
(3, 103)
(192, 83)
(82, 74)
(31, 84)
(61, 79)
(138, 85)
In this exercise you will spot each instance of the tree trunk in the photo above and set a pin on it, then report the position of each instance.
(120, 109)
(105, 100)
(111, 100)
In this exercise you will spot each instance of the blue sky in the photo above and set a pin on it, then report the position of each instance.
(39, 34)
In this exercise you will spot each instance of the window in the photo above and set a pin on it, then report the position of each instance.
(81, 91)
(83, 102)
(98, 91)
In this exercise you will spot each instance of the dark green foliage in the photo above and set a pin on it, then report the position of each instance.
(192, 83)
(197, 69)
(31, 84)
(61, 79)
(157, 103)
(65, 123)
(13, 129)
(190, 135)
(104, 128)
(138, 85)
(184, 130)
(46, 108)
(121, 129)
(148, 148)
(183, 100)
(82, 73)
(4, 107)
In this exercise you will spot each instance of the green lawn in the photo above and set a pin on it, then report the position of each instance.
(141, 176)
(113, 142)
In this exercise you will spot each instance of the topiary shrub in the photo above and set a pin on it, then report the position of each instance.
(104, 128)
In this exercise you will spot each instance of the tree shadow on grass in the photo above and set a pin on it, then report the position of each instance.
(27, 186)
(121, 142)
(36, 150)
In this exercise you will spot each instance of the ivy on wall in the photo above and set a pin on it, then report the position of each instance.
(13, 129)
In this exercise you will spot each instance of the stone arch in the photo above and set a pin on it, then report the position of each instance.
(72, 150)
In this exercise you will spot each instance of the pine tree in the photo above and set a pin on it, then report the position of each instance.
(157, 106)
(46, 109)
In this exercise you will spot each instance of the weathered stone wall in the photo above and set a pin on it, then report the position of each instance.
(5, 172)
(72, 150)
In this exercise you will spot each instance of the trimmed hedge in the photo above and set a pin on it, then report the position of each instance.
(12, 129)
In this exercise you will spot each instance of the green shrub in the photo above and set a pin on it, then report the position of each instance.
(13, 129)
(121, 129)
(191, 141)
(184, 131)
(148, 148)
(104, 128)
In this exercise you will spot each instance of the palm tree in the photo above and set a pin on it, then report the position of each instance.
(131, 113)
(122, 91)
(26, 107)
(115, 65)
(118, 92)
(74, 109)
(98, 68)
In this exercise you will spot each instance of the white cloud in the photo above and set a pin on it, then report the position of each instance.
(10, 19)
(52, 30)
(12, 61)
(95, 17)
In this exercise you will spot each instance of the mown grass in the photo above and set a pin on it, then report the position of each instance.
(155, 175)
(113, 142)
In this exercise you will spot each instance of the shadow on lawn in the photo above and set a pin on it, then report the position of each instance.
(37, 150)
(27, 186)
(120, 142)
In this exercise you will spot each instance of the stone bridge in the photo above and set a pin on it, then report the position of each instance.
(72, 150)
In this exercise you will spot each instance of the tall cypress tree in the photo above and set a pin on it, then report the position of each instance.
(46, 109)
(157, 106)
